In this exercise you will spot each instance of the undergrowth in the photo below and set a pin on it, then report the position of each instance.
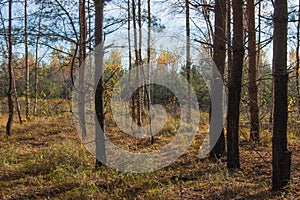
(45, 159)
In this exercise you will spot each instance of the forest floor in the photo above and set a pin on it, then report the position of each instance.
(45, 159)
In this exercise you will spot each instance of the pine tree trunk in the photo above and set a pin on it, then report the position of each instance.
(130, 58)
(99, 95)
(219, 56)
(36, 76)
(298, 60)
(136, 65)
(36, 64)
(82, 55)
(253, 107)
(10, 72)
(149, 68)
(27, 69)
(272, 102)
(258, 63)
(281, 157)
(188, 59)
(234, 91)
(16, 99)
(140, 71)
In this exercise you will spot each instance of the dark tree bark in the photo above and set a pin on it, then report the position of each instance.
(188, 58)
(253, 107)
(234, 91)
(130, 58)
(82, 56)
(83, 31)
(298, 60)
(99, 95)
(136, 65)
(89, 25)
(281, 157)
(139, 67)
(219, 56)
(27, 69)
(149, 45)
(10, 73)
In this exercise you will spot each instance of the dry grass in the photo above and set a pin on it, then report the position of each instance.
(44, 159)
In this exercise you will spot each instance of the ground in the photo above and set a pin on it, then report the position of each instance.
(45, 159)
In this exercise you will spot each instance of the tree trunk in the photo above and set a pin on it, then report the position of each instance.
(10, 72)
(298, 60)
(272, 101)
(149, 67)
(89, 26)
(36, 64)
(281, 157)
(234, 91)
(258, 63)
(16, 98)
(188, 58)
(219, 56)
(36, 76)
(253, 107)
(136, 65)
(139, 67)
(82, 56)
(27, 69)
(129, 58)
(99, 95)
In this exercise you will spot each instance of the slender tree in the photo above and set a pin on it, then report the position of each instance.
(206, 14)
(148, 48)
(234, 90)
(99, 95)
(82, 56)
(258, 53)
(219, 57)
(27, 69)
(36, 79)
(136, 98)
(188, 57)
(281, 157)
(83, 31)
(272, 102)
(36, 63)
(298, 59)
(10, 72)
(16, 98)
(253, 107)
(89, 24)
(130, 56)
(139, 67)
(148, 89)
